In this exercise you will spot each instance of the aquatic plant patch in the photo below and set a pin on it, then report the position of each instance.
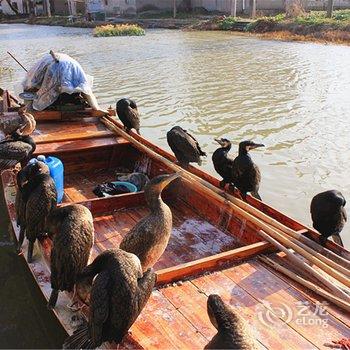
(118, 30)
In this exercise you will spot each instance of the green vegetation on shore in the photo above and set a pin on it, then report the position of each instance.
(119, 30)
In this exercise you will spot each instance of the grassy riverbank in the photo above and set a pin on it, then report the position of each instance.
(312, 26)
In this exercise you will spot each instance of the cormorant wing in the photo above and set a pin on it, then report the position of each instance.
(39, 204)
(145, 287)
(99, 307)
(133, 115)
(197, 144)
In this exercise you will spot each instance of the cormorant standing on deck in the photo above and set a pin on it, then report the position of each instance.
(128, 114)
(185, 147)
(72, 231)
(20, 202)
(119, 293)
(150, 236)
(245, 173)
(15, 149)
(329, 215)
(232, 330)
(40, 196)
(223, 164)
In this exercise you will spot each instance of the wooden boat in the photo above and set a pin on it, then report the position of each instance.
(213, 247)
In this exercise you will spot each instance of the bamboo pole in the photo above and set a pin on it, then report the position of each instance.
(337, 301)
(247, 208)
(333, 263)
(321, 257)
(303, 265)
(315, 260)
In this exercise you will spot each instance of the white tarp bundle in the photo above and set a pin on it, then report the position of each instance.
(53, 78)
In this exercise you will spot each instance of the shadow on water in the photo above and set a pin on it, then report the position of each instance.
(25, 321)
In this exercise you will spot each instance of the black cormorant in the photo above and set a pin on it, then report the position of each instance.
(245, 173)
(72, 230)
(40, 196)
(128, 114)
(150, 236)
(184, 146)
(118, 295)
(15, 149)
(329, 215)
(232, 330)
(222, 162)
(20, 203)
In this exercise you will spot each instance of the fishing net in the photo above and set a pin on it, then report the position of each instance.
(49, 78)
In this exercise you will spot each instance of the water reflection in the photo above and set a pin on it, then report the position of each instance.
(293, 97)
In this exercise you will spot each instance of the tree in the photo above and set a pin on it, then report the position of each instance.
(174, 8)
(234, 8)
(252, 8)
(330, 8)
(11, 7)
(294, 8)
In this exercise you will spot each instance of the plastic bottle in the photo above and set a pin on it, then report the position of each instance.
(56, 172)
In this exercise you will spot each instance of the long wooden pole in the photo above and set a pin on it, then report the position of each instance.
(247, 208)
(337, 301)
(303, 265)
(311, 257)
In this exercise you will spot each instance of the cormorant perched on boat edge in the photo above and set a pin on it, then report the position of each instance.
(185, 147)
(245, 173)
(150, 236)
(329, 215)
(119, 293)
(223, 164)
(128, 114)
(71, 229)
(232, 330)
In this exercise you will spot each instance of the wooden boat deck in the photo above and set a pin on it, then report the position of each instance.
(175, 317)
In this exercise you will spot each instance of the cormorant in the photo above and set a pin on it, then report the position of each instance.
(20, 203)
(184, 146)
(232, 330)
(223, 164)
(150, 236)
(329, 215)
(15, 149)
(72, 230)
(245, 173)
(128, 114)
(40, 196)
(118, 295)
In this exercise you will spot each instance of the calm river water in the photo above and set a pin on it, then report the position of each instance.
(293, 97)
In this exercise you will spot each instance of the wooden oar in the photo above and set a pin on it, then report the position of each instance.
(304, 266)
(337, 301)
(247, 208)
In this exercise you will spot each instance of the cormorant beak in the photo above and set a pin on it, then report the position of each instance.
(256, 145)
(220, 142)
(170, 178)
